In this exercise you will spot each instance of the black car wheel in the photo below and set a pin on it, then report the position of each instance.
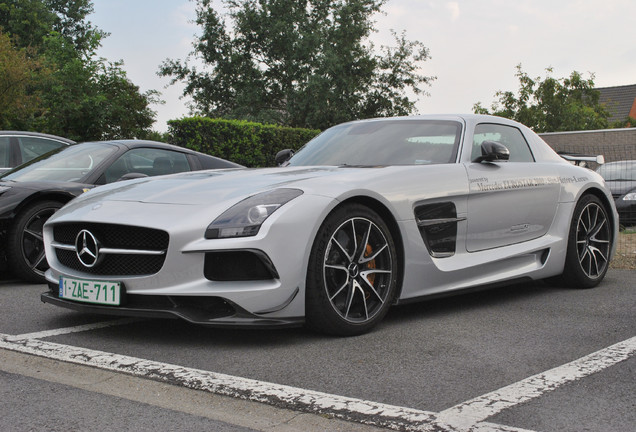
(25, 243)
(589, 244)
(351, 278)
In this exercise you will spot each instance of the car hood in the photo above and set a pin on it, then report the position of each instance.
(12, 193)
(202, 187)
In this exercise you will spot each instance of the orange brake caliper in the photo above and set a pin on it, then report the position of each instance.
(370, 264)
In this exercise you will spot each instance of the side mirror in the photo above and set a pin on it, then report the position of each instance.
(131, 176)
(283, 156)
(492, 151)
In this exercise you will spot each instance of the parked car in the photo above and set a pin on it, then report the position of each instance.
(366, 215)
(17, 147)
(31, 193)
(620, 177)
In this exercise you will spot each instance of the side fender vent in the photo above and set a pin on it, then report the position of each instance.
(438, 226)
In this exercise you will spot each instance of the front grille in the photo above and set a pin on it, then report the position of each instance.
(114, 236)
(111, 265)
(110, 236)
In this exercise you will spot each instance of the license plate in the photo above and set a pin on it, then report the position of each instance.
(89, 291)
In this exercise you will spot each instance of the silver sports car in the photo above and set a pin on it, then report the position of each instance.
(366, 215)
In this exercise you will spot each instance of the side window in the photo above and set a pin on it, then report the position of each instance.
(32, 147)
(509, 136)
(147, 161)
(4, 152)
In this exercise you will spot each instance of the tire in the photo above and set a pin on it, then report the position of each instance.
(589, 244)
(352, 272)
(25, 246)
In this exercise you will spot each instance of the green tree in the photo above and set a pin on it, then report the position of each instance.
(551, 104)
(300, 63)
(84, 97)
(71, 97)
(126, 110)
(30, 22)
(20, 75)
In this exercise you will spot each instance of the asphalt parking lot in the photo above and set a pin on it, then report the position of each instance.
(517, 358)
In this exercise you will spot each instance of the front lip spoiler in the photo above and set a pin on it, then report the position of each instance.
(241, 318)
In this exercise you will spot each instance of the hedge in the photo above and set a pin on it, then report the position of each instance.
(247, 143)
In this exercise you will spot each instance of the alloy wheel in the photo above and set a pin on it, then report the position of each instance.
(357, 270)
(32, 241)
(593, 240)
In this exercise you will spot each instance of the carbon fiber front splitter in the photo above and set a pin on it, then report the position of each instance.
(193, 310)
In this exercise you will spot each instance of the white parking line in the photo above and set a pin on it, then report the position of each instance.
(482, 407)
(361, 411)
(468, 416)
(77, 329)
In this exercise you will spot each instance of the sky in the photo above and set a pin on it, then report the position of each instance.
(475, 45)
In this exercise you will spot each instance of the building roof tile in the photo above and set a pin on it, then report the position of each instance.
(620, 101)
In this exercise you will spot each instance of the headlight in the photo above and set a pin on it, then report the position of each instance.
(245, 218)
(630, 196)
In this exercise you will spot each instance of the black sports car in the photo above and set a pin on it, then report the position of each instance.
(32, 192)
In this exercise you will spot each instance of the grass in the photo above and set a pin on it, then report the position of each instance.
(625, 257)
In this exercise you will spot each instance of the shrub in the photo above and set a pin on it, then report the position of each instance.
(247, 143)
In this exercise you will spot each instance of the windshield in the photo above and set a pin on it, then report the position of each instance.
(66, 164)
(618, 171)
(383, 142)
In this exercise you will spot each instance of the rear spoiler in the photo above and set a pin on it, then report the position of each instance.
(582, 159)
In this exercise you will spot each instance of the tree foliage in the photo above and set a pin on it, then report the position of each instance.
(67, 88)
(300, 63)
(31, 22)
(551, 104)
(20, 74)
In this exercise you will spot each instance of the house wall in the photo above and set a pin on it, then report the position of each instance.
(613, 144)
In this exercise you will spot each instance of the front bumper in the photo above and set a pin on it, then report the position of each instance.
(207, 311)
(193, 272)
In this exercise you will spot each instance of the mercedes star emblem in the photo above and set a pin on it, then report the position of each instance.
(87, 248)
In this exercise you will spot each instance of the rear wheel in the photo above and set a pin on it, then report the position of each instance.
(351, 279)
(589, 244)
(25, 243)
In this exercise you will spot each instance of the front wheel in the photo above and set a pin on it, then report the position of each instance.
(25, 243)
(589, 244)
(352, 273)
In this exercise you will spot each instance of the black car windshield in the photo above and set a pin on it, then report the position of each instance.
(66, 164)
(383, 142)
(618, 171)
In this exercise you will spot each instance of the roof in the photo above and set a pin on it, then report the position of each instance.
(35, 134)
(620, 101)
